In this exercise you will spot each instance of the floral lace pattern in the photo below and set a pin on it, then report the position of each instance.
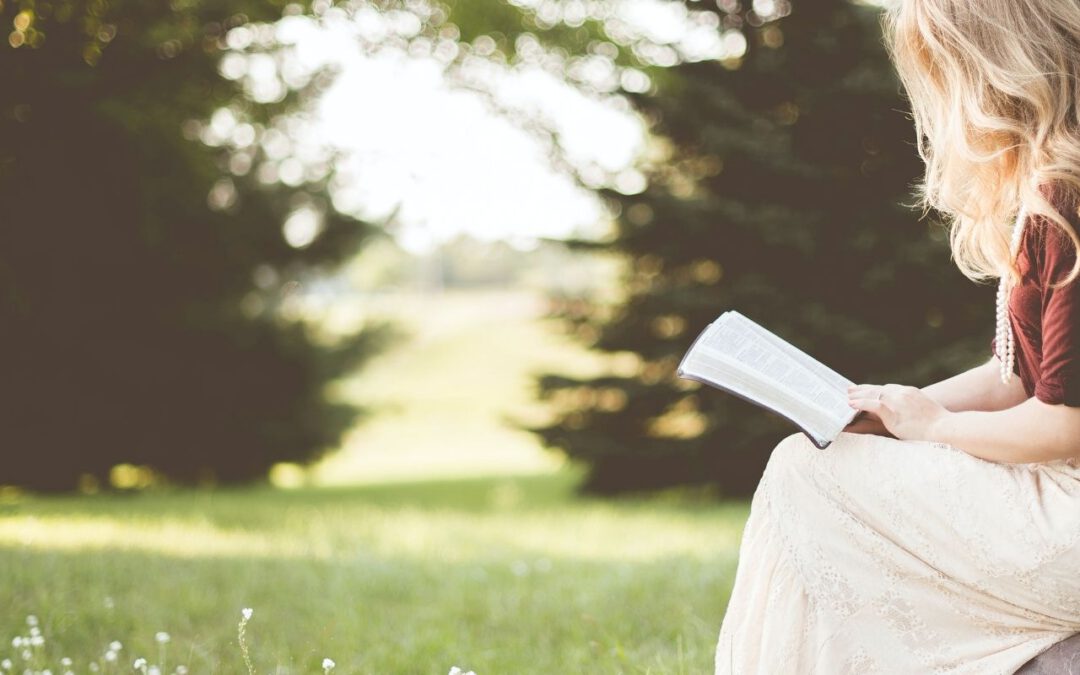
(882, 556)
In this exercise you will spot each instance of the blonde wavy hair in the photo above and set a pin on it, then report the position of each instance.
(994, 87)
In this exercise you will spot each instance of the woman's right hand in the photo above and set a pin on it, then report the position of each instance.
(867, 423)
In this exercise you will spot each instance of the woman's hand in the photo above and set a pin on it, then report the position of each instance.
(905, 412)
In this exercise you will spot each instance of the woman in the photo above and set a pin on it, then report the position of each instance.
(941, 532)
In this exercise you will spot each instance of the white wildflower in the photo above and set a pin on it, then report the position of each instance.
(328, 665)
(241, 637)
(66, 662)
(154, 670)
(94, 667)
(37, 641)
(115, 645)
(16, 642)
(139, 664)
(46, 672)
(6, 664)
(181, 670)
(161, 637)
(31, 620)
(110, 656)
(26, 655)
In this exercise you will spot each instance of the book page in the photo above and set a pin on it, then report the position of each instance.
(727, 373)
(736, 353)
(832, 385)
(736, 341)
(824, 372)
(764, 353)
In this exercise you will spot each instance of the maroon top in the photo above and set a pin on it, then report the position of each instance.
(1046, 321)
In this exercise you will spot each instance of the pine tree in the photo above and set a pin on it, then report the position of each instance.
(786, 196)
(141, 271)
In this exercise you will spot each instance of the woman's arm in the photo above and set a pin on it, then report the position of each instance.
(979, 388)
(1032, 431)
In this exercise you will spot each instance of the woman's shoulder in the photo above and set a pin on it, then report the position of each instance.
(1053, 245)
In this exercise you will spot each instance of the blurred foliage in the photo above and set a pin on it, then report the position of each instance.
(148, 296)
(776, 187)
(145, 283)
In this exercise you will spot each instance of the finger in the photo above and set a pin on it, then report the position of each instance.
(865, 390)
(868, 404)
(872, 394)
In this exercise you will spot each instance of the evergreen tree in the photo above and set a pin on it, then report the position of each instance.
(783, 196)
(141, 272)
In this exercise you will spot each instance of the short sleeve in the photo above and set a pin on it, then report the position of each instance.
(1059, 376)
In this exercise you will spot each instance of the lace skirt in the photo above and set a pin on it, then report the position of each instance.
(882, 556)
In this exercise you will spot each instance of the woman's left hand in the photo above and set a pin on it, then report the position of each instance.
(906, 412)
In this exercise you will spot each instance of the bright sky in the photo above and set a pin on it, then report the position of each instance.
(406, 138)
(409, 139)
(453, 165)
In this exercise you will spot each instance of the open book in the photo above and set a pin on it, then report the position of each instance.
(736, 355)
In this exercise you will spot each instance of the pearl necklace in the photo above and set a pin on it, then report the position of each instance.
(1005, 345)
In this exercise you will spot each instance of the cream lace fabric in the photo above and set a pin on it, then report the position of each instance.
(882, 556)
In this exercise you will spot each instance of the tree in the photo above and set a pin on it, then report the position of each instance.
(782, 194)
(142, 272)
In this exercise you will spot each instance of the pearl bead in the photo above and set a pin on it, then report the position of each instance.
(1006, 346)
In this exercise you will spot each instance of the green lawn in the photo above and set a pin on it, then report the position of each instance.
(496, 574)
(438, 535)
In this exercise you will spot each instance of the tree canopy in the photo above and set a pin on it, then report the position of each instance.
(782, 191)
(142, 256)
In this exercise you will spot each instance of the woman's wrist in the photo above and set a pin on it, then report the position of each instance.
(939, 426)
(969, 390)
(1030, 432)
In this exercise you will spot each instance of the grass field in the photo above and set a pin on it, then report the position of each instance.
(439, 535)
(500, 575)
